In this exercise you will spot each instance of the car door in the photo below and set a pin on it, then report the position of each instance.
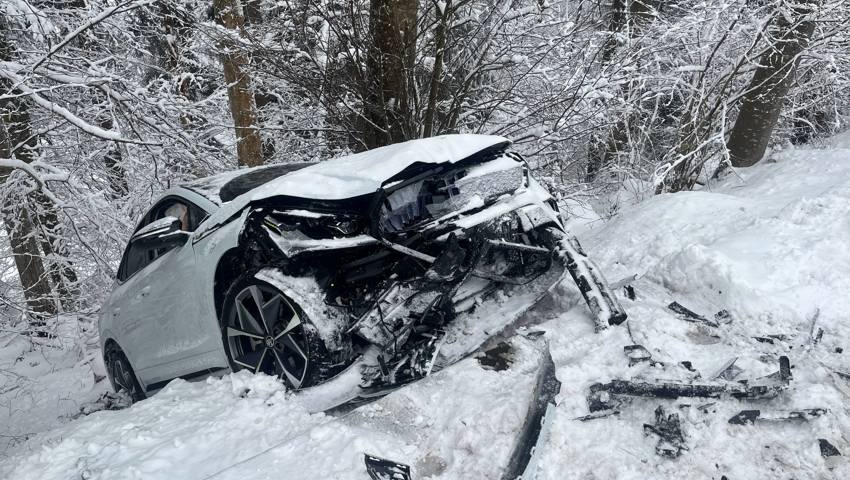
(159, 304)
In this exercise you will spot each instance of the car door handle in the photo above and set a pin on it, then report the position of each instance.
(116, 312)
(143, 293)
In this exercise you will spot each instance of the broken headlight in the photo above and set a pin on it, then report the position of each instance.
(314, 224)
(456, 191)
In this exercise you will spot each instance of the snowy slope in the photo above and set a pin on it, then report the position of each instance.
(771, 246)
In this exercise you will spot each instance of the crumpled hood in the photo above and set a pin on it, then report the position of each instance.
(362, 173)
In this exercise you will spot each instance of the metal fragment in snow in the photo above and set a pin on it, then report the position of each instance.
(603, 304)
(602, 396)
(382, 469)
(671, 441)
(637, 354)
(688, 315)
(745, 417)
(728, 371)
(827, 449)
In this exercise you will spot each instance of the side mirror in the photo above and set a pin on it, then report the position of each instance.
(162, 233)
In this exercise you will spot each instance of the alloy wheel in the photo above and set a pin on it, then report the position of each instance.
(265, 333)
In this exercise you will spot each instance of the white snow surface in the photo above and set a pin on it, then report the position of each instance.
(771, 245)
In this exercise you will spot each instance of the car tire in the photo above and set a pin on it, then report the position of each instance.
(263, 330)
(121, 374)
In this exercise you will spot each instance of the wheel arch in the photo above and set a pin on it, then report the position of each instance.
(229, 267)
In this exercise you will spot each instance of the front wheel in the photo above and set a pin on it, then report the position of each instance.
(264, 331)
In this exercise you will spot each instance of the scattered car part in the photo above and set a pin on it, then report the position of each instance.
(106, 401)
(771, 339)
(623, 282)
(818, 336)
(602, 396)
(812, 335)
(383, 469)
(827, 449)
(597, 415)
(723, 316)
(546, 387)
(745, 417)
(498, 358)
(603, 304)
(638, 354)
(688, 315)
(671, 440)
(690, 367)
(728, 371)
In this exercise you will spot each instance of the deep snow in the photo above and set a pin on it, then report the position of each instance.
(770, 245)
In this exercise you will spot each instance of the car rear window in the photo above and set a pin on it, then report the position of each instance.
(253, 179)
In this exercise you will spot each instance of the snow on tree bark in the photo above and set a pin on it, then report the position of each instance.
(389, 64)
(762, 103)
(243, 107)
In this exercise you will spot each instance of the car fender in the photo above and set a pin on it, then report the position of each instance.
(208, 253)
(328, 321)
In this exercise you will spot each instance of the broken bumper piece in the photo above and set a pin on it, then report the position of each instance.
(604, 396)
(601, 301)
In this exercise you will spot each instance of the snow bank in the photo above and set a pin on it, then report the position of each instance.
(772, 247)
(245, 426)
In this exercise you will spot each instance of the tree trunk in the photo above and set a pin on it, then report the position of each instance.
(243, 107)
(443, 16)
(635, 16)
(616, 24)
(17, 141)
(389, 63)
(23, 236)
(762, 104)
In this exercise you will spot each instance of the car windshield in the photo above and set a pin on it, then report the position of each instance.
(253, 179)
(225, 187)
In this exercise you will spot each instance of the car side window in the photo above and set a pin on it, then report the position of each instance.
(136, 258)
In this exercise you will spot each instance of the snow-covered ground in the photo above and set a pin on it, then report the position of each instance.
(771, 246)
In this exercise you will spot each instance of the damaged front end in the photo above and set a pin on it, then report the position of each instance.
(394, 269)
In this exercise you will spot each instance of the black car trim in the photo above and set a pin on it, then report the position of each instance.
(188, 376)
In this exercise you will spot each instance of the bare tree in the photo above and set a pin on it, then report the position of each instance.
(390, 59)
(762, 103)
(18, 142)
(243, 106)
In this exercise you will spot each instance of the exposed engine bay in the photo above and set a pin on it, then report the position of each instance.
(394, 269)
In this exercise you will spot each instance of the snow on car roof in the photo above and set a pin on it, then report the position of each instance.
(342, 177)
(362, 173)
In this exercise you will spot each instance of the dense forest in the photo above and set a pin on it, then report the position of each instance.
(106, 103)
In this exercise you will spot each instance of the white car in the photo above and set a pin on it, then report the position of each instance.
(304, 271)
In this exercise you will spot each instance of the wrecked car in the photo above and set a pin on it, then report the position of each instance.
(361, 272)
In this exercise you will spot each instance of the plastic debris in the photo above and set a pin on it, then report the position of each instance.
(382, 469)
(671, 441)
